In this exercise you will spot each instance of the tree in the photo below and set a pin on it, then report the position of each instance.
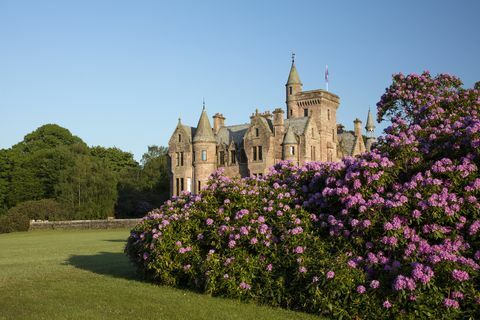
(117, 160)
(142, 189)
(88, 189)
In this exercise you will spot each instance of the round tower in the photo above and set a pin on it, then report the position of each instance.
(290, 146)
(205, 152)
(292, 87)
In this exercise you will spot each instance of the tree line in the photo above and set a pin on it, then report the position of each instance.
(55, 175)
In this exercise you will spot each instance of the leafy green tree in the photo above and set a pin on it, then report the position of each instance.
(145, 188)
(88, 189)
(117, 160)
(5, 171)
(46, 137)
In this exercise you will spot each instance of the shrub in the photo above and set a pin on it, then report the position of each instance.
(394, 232)
(45, 209)
(11, 222)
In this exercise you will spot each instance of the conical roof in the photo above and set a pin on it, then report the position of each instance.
(204, 131)
(293, 77)
(289, 137)
(370, 126)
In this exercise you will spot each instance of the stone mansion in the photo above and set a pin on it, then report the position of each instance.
(309, 132)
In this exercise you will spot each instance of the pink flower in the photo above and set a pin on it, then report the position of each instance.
(269, 267)
(374, 284)
(245, 286)
(330, 274)
(302, 269)
(450, 303)
(361, 289)
(387, 304)
(298, 250)
(209, 221)
(460, 275)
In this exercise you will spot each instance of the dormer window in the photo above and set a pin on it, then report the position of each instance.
(256, 132)
(179, 138)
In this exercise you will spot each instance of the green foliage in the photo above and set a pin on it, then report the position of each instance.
(15, 221)
(47, 137)
(115, 159)
(143, 188)
(87, 189)
(45, 209)
(51, 163)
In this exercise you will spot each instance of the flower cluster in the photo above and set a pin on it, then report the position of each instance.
(395, 230)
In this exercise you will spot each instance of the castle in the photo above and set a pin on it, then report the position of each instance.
(308, 133)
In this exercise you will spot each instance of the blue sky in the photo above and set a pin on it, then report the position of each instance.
(120, 73)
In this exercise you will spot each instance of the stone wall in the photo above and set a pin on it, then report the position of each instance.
(84, 224)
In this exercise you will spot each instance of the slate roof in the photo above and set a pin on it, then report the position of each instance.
(204, 131)
(233, 133)
(298, 124)
(293, 77)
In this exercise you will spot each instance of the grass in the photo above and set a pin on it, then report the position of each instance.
(85, 275)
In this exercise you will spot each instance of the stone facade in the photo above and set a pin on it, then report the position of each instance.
(308, 132)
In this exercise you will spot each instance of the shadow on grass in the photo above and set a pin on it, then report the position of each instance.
(112, 264)
(116, 240)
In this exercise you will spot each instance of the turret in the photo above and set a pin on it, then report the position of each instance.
(370, 126)
(293, 86)
(290, 145)
(204, 148)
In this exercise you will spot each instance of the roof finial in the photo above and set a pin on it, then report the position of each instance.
(293, 57)
(179, 120)
(203, 103)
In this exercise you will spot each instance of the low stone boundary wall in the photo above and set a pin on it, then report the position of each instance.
(84, 224)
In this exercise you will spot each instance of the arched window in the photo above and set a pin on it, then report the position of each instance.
(179, 138)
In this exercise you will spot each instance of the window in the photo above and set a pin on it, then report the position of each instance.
(181, 159)
(328, 114)
(222, 158)
(182, 186)
(177, 185)
(204, 155)
(291, 112)
(233, 157)
(260, 155)
(179, 138)
(189, 184)
(254, 153)
(193, 157)
(313, 133)
(290, 90)
(333, 132)
(305, 112)
(177, 155)
(256, 132)
(199, 186)
(292, 150)
(313, 151)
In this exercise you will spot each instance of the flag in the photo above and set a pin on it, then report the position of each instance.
(326, 73)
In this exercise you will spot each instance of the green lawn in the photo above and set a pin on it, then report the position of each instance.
(85, 275)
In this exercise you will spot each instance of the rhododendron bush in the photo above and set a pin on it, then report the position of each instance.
(393, 232)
